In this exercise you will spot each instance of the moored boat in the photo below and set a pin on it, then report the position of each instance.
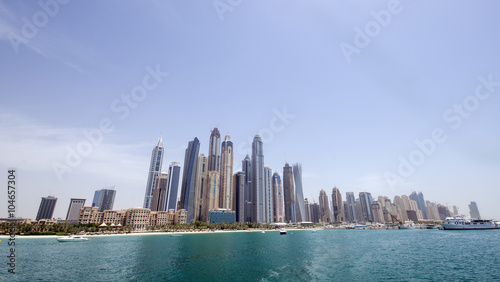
(465, 223)
(407, 225)
(282, 231)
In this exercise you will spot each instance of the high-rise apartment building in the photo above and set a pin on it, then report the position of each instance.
(187, 199)
(174, 173)
(419, 198)
(246, 166)
(226, 176)
(352, 212)
(337, 206)
(213, 191)
(299, 193)
(324, 207)
(277, 198)
(213, 151)
(201, 207)
(474, 211)
(154, 172)
(74, 210)
(159, 202)
(105, 199)
(268, 195)
(239, 196)
(366, 201)
(258, 205)
(46, 209)
(289, 194)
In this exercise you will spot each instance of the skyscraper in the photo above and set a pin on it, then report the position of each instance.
(299, 194)
(239, 195)
(159, 202)
(174, 171)
(258, 205)
(268, 194)
(46, 209)
(278, 198)
(246, 166)
(106, 199)
(213, 191)
(226, 176)
(351, 204)
(474, 211)
(419, 198)
(74, 210)
(289, 194)
(187, 200)
(337, 205)
(154, 172)
(366, 201)
(213, 151)
(324, 207)
(201, 207)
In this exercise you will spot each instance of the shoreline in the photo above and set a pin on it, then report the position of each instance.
(157, 233)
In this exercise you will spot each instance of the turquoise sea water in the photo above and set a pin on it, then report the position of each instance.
(339, 255)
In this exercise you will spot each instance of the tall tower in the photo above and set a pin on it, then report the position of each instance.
(74, 210)
(239, 196)
(337, 205)
(289, 194)
(213, 151)
(213, 191)
(299, 194)
(324, 207)
(277, 198)
(366, 201)
(46, 209)
(174, 171)
(226, 175)
(201, 208)
(268, 194)
(258, 205)
(474, 211)
(246, 166)
(187, 200)
(154, 172)
(106, 199)
(351, 212)
(419, 198)
(159, 202)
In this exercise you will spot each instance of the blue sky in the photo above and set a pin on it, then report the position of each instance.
(351, 119)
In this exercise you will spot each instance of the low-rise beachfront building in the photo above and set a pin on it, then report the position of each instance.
(138, 218)
(222, 215)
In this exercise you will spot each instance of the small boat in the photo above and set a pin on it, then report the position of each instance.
(73, 238)
(432, 226)
(175, 235)
(263, 232)
(282, 231)
(314, 230)
(407, 225)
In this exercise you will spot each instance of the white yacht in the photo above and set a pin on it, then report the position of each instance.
(282, 231)
(72, 238)
(465, 223)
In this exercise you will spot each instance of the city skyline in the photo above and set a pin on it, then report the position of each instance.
(413, 107)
